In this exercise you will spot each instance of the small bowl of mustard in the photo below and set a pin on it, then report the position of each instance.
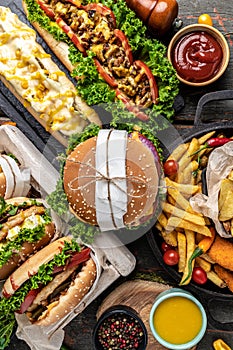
(199, 53)
(177, 319)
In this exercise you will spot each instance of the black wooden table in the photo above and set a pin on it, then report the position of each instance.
(78, 332)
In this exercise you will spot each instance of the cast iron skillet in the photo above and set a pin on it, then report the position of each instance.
(218, 302)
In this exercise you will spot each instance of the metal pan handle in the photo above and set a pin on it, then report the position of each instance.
(219, 317)
(209, 97)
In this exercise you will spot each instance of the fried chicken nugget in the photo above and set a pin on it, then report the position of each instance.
(225, 275)
(221, 252)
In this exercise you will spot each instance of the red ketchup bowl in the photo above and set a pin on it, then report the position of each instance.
(199, 53)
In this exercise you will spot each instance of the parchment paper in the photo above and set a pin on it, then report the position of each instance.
(219, 166)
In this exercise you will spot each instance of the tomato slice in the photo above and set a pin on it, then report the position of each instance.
(76, 259)
(131, 106)
(73, 37)
(104, 74)
(79, 257)
(28, 300)
(46, 8)
(152, 82)
(101, 9)
(125, 44)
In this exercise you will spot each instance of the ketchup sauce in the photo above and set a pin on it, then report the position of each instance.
(197, 56)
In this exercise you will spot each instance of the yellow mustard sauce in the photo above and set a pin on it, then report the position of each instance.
(177, 320)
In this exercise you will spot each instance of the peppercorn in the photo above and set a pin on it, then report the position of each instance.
(120, 332)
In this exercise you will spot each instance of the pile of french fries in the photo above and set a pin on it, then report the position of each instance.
(179, 225)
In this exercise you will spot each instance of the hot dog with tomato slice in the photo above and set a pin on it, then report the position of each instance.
(92, 28)
(51, 283)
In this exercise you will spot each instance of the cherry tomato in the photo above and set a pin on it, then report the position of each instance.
(170, 167)
(205, 19)
(165, 247)
(199, 275)
(171, 257)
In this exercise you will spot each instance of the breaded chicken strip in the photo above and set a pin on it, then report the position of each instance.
(225, 275)
(221, 252)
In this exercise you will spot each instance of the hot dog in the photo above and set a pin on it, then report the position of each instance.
(92, 28)
(31, 75)
(14, 182)
(25, 228)
(52, 282)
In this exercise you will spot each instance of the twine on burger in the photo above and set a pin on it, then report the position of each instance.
(134, 179)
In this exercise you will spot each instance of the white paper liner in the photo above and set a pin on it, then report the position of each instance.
(43, 175)
(51, 337)
(111, 187)
(110, 265)
(220, 164)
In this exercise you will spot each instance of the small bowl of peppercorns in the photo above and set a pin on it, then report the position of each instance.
(120, 327)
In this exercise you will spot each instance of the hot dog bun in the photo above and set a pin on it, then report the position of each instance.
(30, 266)
(13, 181)
(12, 226)
(39, 84)
(60, 48)
(67, 302)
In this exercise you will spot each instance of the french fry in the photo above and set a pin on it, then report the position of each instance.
(186, 176)
(175, 222)
(181, 201)
(162, 219)
(181, 239)
(205, 137)
(213, 277)
(203, 263)
(178, 152)
(170, 237)
(187, 157)
(190, 239)
(182, 188)
(171, 200)
(193, 218)
(207, 258)
(158, 226)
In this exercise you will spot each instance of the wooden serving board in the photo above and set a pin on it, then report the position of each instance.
(140, 296)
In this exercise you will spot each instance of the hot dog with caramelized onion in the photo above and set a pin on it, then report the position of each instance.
(92, 28)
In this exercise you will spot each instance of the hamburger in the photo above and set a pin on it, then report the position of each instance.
(140, 169)
(25, 227)
(14, 181)
(51, 283)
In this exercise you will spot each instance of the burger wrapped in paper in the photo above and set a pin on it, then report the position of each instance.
(111, 179)
(51, 283)
(26, 226)
(14, 180)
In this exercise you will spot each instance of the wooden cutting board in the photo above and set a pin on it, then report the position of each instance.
(140, 296)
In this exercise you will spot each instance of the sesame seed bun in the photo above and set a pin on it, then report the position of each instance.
(79, 181)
